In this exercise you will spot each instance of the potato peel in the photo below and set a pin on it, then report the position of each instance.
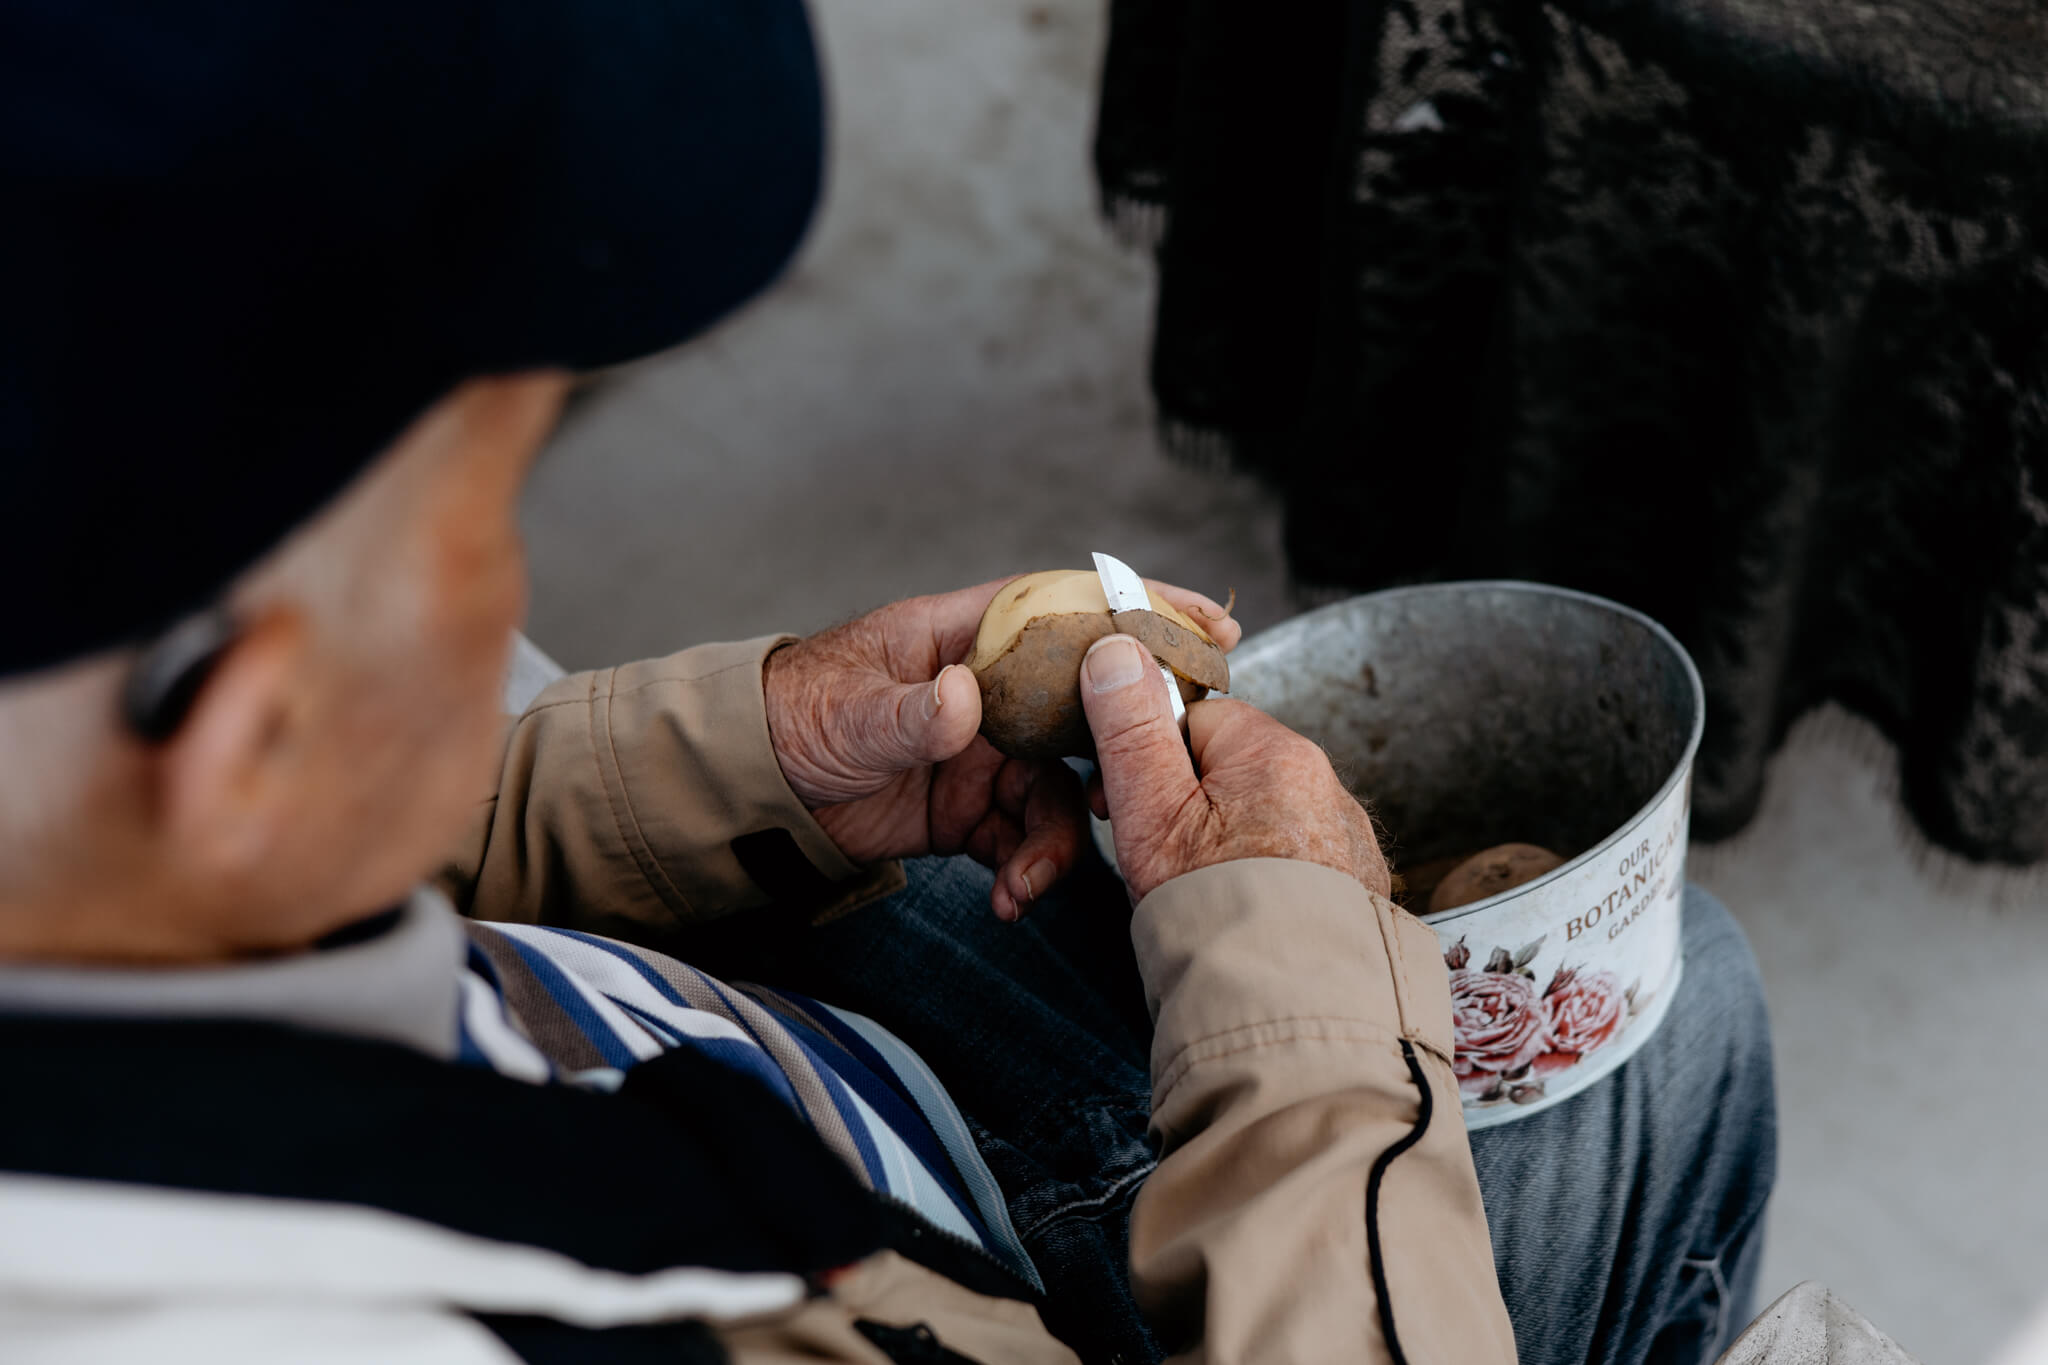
(1028, 651)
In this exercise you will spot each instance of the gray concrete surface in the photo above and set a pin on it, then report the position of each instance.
(1906, 994)
(950, 385)
(947, 387)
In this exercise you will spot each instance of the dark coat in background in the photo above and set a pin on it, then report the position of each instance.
(1734, 311)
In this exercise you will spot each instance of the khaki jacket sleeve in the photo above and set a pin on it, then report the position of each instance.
(890, 1291)
(1315, 1198)
(639, 799)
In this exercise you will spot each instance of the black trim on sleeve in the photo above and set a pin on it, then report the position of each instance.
(775, 862)
(1372, 1203)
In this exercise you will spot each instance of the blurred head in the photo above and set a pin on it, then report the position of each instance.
(337, 743)
(244, 244)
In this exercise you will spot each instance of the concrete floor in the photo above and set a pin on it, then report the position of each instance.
(950, 385)
(1910, 1176)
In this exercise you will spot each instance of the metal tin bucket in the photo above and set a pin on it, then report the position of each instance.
(1476, 714)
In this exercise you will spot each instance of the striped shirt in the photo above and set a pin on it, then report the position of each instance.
(556, 1005)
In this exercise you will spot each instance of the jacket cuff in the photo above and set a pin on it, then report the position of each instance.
(1266, 951)
(696, 793)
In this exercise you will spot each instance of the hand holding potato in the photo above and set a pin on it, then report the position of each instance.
(876, 726)
(1263, 791)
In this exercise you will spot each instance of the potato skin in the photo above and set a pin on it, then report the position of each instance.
(1497, 869)
(1193, 658)
(1031, 694)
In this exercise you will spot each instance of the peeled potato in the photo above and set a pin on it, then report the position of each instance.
(1027, 658)
(1500, 868)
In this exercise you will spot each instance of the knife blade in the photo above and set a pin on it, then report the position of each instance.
(1126, 592)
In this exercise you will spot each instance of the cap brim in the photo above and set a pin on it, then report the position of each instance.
(242, 252)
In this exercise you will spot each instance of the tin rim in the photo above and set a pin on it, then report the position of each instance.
(1250, 652)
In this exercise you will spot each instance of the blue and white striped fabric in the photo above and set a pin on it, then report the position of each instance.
(543, 1004)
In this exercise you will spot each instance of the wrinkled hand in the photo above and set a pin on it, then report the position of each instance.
(876, 725)
(1263, 790)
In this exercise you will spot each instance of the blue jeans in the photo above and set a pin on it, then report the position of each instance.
(1626, 1222)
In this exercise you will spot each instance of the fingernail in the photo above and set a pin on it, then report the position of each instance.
(934, 699)
(1114, 661)
(1039, 874)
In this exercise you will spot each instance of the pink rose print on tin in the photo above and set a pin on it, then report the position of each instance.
(1510, 1039)
(1586, 1010)
(1498, 1022)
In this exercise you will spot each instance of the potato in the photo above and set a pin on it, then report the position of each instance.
(1027, 658)
(1500, 868)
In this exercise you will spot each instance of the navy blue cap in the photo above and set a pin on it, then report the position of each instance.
(244, 242)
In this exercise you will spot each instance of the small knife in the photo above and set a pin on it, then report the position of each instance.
(1126, 592)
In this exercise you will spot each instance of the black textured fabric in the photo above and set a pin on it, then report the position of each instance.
(244, 243)
(688, 1164)
(544, 1341)
(1736, 312)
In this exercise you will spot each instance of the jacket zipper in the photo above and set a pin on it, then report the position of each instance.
(921, 1226)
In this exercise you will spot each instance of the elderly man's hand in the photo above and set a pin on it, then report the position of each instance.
(876, 724)
(1263, 791)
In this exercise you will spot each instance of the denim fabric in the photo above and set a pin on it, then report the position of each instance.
(1626, 1222)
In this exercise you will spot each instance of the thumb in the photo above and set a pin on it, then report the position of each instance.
(1147, 775)
(925, 723)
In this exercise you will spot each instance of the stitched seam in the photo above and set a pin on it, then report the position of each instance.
(1265, 1034)
(642, 687)
(1402, 984)
(652, 870)
(1098, 1203)
(1390, 939)
(1397, 956)
(1432, 1049)
(651, 866)
(635, 842)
